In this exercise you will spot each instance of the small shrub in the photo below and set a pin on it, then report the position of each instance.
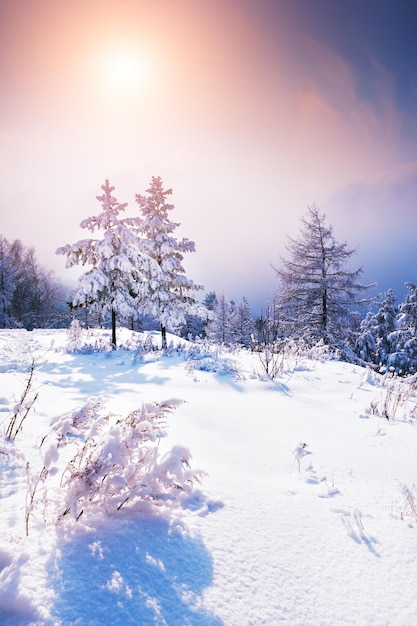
(75, 336)
(117, 463)
(395, 393)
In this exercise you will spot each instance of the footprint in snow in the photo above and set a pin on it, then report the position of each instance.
(352, 521)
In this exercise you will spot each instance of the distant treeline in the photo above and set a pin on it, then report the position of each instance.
(30, 296)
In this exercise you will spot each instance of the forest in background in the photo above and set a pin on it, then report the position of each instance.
(136, 279)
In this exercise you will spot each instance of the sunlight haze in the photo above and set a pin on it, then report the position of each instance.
(249, 111)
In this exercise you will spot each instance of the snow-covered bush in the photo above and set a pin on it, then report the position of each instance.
(75, 336)
(285, 355)
(320, 352)
(173, 349)
(83, 340)
(144, 345)
(398, 362)
(210, 357)
(271, 358)
(117, 462)
(395, 393)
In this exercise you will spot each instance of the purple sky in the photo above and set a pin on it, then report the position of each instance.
(249, 111)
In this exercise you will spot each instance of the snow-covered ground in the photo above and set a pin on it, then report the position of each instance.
(322, 534)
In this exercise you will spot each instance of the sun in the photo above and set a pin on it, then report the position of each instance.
(122, 70)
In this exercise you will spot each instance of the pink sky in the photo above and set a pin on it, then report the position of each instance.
(238, 106)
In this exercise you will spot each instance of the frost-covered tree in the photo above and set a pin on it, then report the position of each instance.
(166, 294)
(39, 298)
(196, 325)
(210, 300)
(7, 284)
(407, 311)
(317, 289)
(385, 325)
(115, 279)
(377, 332)
(220, 327)
(243, 324)
(365, 344)
(30, 296)
(229, 323)
(403, 340)
(268, 326)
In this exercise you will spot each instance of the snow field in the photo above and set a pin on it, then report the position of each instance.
(333, 543)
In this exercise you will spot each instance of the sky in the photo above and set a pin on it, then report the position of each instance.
(250, 111)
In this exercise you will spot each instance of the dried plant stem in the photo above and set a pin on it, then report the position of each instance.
(23, 407)
(31, 492)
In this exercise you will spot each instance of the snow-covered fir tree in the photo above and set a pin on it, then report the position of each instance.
(243, 324)
(166, 294)
(210, 300)
(317, 289)
(403, 340)
(407, 311)
(377, 332)
(385, 325)
(196, 326)
(365, 344)
(220, 328)
(119, 264)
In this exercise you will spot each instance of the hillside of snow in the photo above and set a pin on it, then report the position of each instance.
(304, 515)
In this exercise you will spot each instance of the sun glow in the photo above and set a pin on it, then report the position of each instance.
(123, 70)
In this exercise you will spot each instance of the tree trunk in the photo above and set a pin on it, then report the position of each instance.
(164, 337)
(113, 329)
(324, 316)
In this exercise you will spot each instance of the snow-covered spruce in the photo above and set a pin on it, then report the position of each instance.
(136, 266)
(166, 293)
(117, 260)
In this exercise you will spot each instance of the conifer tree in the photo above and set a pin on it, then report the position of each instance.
(365, 344)
(166, 293)
(407, 311)
(377, 332)
(220, 327)
(243, 324)
(385, 325)
(317, 289)
(210, 300)
(403, 340)
(115, 280)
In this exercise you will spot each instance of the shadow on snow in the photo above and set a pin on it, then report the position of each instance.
(138, 571)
